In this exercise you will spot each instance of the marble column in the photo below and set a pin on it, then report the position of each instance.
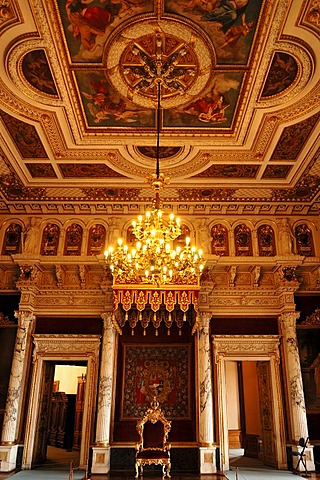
(101, 450)
(296, 402)
(10, 430)
(206, 435)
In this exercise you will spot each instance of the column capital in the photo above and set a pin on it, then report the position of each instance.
(204, 319)
(288, 321)
(107, 320)
(26, 318)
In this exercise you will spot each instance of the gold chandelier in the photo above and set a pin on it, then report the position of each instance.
(154, 260)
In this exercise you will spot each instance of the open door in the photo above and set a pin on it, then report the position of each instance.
(41, 431)
(266, 414)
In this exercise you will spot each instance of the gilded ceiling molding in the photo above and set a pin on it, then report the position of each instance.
(15, 60)
(17, 105)
(198, 162)
(305, 71)
(171, 156)
(6, 13)
(220, 208)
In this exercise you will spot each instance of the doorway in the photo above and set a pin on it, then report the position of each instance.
(66, 411)
(50, 351)
(262, 396)
(248, 403)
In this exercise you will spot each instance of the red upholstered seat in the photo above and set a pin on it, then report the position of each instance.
(154, 453)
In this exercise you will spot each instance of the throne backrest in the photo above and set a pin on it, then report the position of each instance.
(153, 428)
(153, 435)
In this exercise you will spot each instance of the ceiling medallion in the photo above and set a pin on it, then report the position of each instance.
(162, 51)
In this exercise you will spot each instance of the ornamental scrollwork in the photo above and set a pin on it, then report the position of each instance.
(313, 319)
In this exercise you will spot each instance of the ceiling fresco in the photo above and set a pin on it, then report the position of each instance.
(239, 94)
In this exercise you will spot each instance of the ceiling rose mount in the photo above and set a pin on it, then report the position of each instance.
(161, 52)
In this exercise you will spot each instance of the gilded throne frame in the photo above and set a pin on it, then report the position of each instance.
(153, 447)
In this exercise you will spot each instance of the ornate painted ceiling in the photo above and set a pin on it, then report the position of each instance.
(240, 103)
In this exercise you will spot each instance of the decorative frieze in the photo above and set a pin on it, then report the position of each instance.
(70, 344)
(252, 345)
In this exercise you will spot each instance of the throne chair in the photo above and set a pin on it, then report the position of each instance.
(153, 448)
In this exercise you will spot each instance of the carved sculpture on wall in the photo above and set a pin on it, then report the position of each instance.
(232, 275)
(256, 275)
(31, 236)
(286, 237)
(203, 235)
(180, 241)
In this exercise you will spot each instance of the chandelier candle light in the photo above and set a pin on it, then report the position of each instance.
(154, 260)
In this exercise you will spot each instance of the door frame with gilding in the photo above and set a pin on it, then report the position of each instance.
(245, 348)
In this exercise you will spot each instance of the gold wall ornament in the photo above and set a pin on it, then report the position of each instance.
(313, 319)
(5, 321)
(153, 306)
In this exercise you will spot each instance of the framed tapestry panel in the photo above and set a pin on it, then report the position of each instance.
(161, 371)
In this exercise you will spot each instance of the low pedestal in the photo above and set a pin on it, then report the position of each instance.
(308, 458)
(8, 457)
(100, 459)
(207, 460)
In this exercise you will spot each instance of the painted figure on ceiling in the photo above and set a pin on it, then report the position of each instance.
(226, 12)
(234, 33)
(105, 105)
(209, 109)
(89, 21)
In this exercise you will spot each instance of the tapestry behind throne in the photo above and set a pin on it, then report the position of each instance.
(161, 371)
